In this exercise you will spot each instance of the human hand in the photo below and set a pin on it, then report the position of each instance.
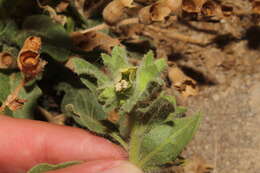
(25, 143)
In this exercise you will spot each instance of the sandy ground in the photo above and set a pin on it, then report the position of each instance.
(228, 137)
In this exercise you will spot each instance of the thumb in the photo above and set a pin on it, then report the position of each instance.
(101, 166)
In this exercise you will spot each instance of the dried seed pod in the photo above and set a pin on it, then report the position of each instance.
(158, 11)
(212, 9)
(255, 6)
(7, 61)
(144, 15)
(29, 61)
(193, 6)
(115, 11)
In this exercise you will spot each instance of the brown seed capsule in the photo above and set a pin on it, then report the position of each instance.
(115, 11)
(255, 6)
(29, 61)
(212, 9)
(193, 6)
(6, 61)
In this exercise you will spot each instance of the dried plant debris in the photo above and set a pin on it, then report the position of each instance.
(30, 65)
(197, 165)
(15, 104)
(184, 84)
(255, 6)
(62, 6)
(94, 40)
(212, 9)
(61, 19)
(80, 4)
(115, 11)
(29, 61)
(16, 100)
(55, 119)
(158, 11)
(193, 6)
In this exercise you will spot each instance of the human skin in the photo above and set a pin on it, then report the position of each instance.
(25, 143)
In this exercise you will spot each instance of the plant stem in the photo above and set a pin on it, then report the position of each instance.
(115, 136)
(135, 143)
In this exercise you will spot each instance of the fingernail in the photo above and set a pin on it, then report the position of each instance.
(123, 167)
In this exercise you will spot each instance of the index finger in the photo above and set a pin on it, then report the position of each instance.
(25, 143)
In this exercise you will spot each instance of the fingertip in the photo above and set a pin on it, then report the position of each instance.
(41, 142)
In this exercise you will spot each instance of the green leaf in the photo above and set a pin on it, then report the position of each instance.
(8, 32)
(70, 26)
(148, 72)
(56, 41)
(157, 111)
(91, 86)
(44, 167)
(108, 96)
(163, 143)
(31, 93)
(117, 61)
(85, 109)
(81, 67)
(4, 87)
(178, 110)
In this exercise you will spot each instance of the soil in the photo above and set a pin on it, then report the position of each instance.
(229, 134)
(228, 75)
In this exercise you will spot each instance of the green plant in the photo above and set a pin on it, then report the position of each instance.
(153, 133)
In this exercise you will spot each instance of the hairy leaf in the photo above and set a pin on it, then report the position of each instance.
(30, 93)
(8, 32)
(163, 143)
(148, 72)
(85, 109)
(91, 86)
(4, 87)
(117, 61)
(44, 167)
(81, 67)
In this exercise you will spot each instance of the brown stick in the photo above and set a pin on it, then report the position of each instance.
(105, 26)
(178, 36)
